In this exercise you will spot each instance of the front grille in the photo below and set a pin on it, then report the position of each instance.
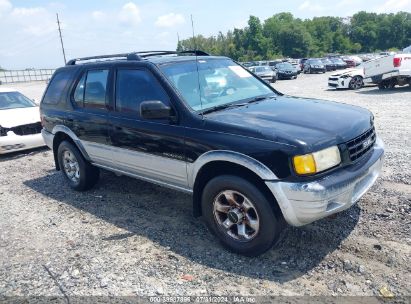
(360, 145)
(34, 128)
(333, 84)
(333, 78)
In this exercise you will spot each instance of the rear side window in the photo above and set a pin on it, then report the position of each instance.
(91, 90)
(79, 92)
(56, 87)
(136, 86)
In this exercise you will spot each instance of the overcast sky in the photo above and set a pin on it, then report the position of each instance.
(29, 37)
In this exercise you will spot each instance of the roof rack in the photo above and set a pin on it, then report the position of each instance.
(138, 56)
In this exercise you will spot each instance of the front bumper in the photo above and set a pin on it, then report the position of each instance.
(268, 78)
(339, 82)
(13, 143)
(286, 75)
(312, 69)
(303, 203)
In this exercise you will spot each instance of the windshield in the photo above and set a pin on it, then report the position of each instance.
(315, 61)
(284, 65)
(337, 60)
(14, 100)
(218, 82)
(262, 69)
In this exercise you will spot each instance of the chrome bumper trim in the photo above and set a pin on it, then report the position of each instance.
(303, 203)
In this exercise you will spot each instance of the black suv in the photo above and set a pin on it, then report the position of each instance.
(250, 156)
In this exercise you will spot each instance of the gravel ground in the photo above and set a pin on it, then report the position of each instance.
(127, 237)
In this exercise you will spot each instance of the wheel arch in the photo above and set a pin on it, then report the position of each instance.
(217, 163)
(62, 133)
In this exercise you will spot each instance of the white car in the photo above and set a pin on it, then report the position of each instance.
(347, 79)
(20, 126)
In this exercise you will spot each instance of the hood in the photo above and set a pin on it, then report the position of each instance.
(309, 124)
(286, 69)
(351, 72)
(265, 73)
(16, 117)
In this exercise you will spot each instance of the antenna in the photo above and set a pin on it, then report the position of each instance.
(198, 73)
(194, 37)
(61, 39)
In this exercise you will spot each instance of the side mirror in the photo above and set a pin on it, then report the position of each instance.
(155, 109)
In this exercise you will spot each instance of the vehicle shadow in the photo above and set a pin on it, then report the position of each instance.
(165, 217)
(24, 153)
(376, 91)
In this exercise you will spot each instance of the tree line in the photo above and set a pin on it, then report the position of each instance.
(283, 35)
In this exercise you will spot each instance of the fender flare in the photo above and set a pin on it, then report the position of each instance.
(228, 156)
(73, 136)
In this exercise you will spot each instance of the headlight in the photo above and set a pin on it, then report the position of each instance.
(317, 161)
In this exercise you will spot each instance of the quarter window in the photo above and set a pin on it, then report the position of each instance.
(134, 87)
(79, 92)
(57, 86)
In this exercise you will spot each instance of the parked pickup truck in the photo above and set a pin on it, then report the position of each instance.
(389, 71)
(250, 156)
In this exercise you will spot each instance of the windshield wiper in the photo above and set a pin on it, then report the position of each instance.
(260, 98)
(235, 105)
(222, 107)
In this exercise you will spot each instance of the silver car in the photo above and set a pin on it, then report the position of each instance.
(265, 73)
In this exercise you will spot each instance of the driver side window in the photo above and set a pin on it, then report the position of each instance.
(135, 86)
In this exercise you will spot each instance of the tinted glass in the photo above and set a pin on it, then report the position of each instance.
(13, 100)
(56, 86)
(136, 86)
(79, 92)
(95, 93)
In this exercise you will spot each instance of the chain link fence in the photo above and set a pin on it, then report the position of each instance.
(12, 76)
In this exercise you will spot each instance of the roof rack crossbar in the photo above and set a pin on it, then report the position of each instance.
(128, 56)
(137, 55)
(159, 53)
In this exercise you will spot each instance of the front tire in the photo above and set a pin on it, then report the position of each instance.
(356, 83)
(240, 215)
(80, 174)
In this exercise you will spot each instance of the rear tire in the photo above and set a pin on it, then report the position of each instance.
(80, 174)
(387, 84)
(240, 215)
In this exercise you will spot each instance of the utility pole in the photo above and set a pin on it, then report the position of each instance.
(61, 38)
(178, 43)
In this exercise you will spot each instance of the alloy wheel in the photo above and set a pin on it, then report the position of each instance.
(71, 166)
(236, 215)
(356, 83)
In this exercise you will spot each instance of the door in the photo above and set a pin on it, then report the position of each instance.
(89, 120)
(152, 149)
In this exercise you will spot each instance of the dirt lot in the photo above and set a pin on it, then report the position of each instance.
(128, 237)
